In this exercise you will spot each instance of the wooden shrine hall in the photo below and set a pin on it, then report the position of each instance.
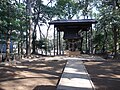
(73, 33)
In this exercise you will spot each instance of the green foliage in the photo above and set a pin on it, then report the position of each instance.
(67, 9)
(12, 17)
(108, 24)
(42, 13)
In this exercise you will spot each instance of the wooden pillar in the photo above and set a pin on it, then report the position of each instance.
(86, 42)
(62, 44)
(59, 43)
(62, 48)
(54, 41)
(91, 43)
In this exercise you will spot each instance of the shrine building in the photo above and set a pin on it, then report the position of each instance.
(74, 31)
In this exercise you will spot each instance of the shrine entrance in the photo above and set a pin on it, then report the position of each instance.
(74, 31)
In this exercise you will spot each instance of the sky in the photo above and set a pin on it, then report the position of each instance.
(45, 1)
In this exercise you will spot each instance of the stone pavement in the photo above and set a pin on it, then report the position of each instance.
(75, 76)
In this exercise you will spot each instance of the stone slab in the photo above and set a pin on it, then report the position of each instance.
(75, 77)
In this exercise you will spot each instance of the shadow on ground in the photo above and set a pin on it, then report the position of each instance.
(31, 74)
(45, 87)
(104, 74)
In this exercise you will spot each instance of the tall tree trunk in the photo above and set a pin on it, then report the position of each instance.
(105, 41)
(47, 32)
(115, 40)
(40, 37)
(8, 35)
(30, 39)
(8, 46)
(29, 13)
(21, 42)
(33, 43)
(18, 48)
(34, 33)
(27, 45)
(27, 42)
(115, 31)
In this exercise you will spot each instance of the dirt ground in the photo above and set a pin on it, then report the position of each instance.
(104, 74)
(31, 75)
(45, 74)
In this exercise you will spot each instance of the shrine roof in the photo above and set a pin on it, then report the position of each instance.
(73, 22)
(74, 25)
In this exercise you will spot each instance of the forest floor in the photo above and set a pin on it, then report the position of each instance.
(104, 74)
(31, 75)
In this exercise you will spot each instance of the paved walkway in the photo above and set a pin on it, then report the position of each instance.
(75, 76)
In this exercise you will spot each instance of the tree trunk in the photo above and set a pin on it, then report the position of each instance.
(27, 43)
(47, 32)
(104, 42)
(30, 40)
(27, 29)
(40, 37)
(8, 46)
(115, 41)
(8, 35)
(21, 47)
(18, 49)
(29, 13)
(33, 44)
(34, 33)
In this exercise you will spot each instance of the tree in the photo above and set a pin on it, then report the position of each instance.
(108, 18)
(8, 22)
(41, 15)
(30, 29)
(67, 9)
(12, 22)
